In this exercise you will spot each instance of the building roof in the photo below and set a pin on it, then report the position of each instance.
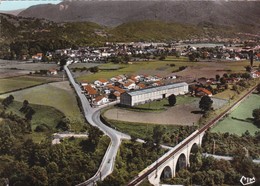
(116, 88)
(128, 83)
(103, 80)
(154, 89)
(99, 98)
(90, 90)
(204, 90)
(141, 85)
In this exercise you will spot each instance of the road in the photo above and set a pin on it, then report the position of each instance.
(92, 115)
(227, 158)
(58, 136)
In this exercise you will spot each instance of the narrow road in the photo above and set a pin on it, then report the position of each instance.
(227, 158)
(92, 115)
(58, 136)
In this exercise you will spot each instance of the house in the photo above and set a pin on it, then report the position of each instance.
(157, 83)
(149, 94)
(129, 85)
(203, 92)
(38, 56)
(91, 92)
(255, 74)
(52, 72)
(101, 82)
(141, 85)
(84, 83)
(100, 100)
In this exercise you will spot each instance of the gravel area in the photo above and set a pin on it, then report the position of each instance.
(177, 115)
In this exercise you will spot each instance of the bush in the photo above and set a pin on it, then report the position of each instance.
(42, 128)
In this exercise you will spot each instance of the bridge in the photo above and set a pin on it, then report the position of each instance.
(178, 157)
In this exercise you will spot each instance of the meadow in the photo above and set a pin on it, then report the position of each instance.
(170, 65)
(240, 120)
(164, 104)
(58, 95)
(149, 67)
(17, 83)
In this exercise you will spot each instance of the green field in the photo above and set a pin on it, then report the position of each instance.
(16, 83)
(242, 112)
(151, 67)
(58, 95)
(235, 66)
(163, 104)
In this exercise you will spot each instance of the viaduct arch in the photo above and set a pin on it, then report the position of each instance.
(178, 158)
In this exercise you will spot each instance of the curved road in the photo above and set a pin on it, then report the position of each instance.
(92, 115)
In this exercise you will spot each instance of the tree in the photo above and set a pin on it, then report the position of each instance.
(256, 115)
(162, 57)
(29, 113)
(8, 100)
(63, 62)
(94, 135)
(248, 68)
(64, 124)
(258, 88)
(24, 107)
(223, 80)
(205, 103)
(94, 69)
(172, 100)
(158, 132)
(217, 77)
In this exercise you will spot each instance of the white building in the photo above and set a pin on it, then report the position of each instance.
(155, 93)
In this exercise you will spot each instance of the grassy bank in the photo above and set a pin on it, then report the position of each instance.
(57, 95)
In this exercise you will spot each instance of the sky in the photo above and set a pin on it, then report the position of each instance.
(6, 5)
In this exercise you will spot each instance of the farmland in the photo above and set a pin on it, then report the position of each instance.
(58, 95)
(240, 119)
(16, 83)
(169, 65)
(150, 67)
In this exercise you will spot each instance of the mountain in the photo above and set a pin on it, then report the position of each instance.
(12, 12)
(113, 13)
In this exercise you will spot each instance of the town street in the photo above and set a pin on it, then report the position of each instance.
(92, 115)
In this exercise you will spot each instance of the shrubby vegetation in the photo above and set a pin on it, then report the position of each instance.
(228, 144)
(24, 162)
(210, 171)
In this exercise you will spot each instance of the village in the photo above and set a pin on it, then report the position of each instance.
(154, 87)
(103, 91)
(144, 51)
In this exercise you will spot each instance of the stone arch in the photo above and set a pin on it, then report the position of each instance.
(181, 162)
(194, 148)
(166, 173)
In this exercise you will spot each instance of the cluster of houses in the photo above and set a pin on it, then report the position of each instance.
(234, 53)
(139, 89)
(102, 91)
(137, 51)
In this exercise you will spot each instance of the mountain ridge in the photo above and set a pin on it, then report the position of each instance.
(114, 13)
